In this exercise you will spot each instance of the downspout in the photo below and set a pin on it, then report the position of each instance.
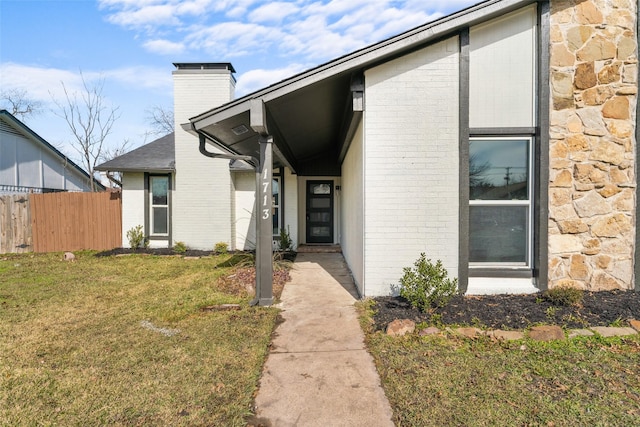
(203, 150)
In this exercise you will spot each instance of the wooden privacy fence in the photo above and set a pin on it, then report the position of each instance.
(55, 222)
(15, 224)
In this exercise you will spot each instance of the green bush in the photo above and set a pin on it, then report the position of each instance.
(426, 285)
(180, 248)
(564, 296)
(136, 237)
(286, 244)
(221, 248)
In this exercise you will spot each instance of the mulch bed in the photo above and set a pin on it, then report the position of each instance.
(515, 311)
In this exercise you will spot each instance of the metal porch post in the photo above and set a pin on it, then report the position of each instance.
(264, 235)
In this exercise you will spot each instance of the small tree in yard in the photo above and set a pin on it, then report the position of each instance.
(426, 284)
(90, 121)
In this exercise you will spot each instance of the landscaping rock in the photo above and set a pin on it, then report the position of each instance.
(635, 324)
(580, 333)
(546, 333)
(431, 330)
(506, 335)
(69, 256)
(610, 331)
(401, 327)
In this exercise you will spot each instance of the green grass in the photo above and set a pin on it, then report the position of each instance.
(81, 343)
(452, 381)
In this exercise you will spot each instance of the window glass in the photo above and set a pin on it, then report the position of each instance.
(500, 201)
(159, 190)
(275, 205)
(320, 231)
(321, 189)
(159, 205)
(499, 169)
(160, 220)
(323, 203)
(498, 234)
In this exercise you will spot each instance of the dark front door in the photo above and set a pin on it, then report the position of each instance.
(319, 212)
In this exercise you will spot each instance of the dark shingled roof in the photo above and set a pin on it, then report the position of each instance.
(158, 155)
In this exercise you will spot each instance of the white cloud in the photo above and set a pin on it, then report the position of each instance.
(151, 15)
(40, 83)
(300, 31)
(141, 77)
(232, 38)
(292, 31)
(259, 78)
(44, 83)
(273, 12)
(164, 47)
(148, 14)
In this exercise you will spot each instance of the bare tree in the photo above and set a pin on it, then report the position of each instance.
(161, 120)
(90, 121)
(18, 103)
(110, 153)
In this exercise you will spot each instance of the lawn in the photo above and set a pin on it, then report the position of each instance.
(448, 380)
(124, 341)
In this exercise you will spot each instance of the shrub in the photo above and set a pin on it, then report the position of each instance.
(136, 238)
(180, 248)
(426, 285)
(221, 248)
(286, 244)
(564, 295)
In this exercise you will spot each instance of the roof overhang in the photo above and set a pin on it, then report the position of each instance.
(313, 115)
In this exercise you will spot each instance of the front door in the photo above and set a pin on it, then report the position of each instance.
(319, 212)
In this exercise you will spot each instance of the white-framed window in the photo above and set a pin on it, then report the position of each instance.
(500, 201)
(159, 205)
(276, 204)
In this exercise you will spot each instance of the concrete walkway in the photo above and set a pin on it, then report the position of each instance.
(319, 372)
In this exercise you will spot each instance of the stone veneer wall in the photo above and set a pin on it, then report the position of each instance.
(594, 81)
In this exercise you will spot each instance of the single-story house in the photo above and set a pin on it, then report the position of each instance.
(29, 164)
(500, 139)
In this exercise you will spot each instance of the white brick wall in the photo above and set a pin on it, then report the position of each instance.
(352, 209)
(132, 203)
(411, 164)
(202, 207)
(244, 221)
(291, 205)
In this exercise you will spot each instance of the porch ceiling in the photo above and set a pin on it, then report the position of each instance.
(305, 123)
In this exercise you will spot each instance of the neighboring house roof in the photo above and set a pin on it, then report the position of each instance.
(10, 120)
(313, 115)
(156, 156)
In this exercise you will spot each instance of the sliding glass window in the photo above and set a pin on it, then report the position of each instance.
(500, 202)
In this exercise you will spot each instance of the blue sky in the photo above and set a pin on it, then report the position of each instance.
(131, 44)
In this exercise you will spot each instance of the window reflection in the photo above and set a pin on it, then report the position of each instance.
(498, 169)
